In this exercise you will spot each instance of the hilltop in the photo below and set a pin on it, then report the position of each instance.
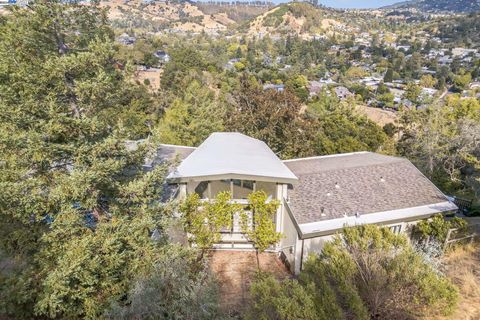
(179, 16)
(458, 6)
(306, 20)
(159, 15)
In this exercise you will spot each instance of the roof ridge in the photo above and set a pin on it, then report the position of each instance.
(344, 155)
(176, 145)
(328, 156)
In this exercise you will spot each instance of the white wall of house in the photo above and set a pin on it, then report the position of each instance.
(289, 240)
(315, 245)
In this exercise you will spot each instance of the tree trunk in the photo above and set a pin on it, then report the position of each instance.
(258, 260)
(201, 255)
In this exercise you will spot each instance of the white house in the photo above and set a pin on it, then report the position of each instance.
(319, 196)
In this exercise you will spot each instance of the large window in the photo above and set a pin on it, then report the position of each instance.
(242, 188)
(218, 186)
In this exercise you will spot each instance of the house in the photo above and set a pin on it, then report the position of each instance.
(319, 196)
(462, 52)
(277, 87)
(7, 2)
(342, 92)
(315, 87)
(404, 48)
(162, 56)
(230, 65)
(125, 39)
(474, 85)
(429, 92)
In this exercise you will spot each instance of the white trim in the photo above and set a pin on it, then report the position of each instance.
(328, 156)
(173, 178)
(176, 146)
(378, 217)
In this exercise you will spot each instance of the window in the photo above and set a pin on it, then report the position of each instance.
(237, 182)
(396, 228)
(218, 186)
(242, 188)
(269, 188)
(201, 189)
(248, 184)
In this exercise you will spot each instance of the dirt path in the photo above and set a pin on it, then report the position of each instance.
(235, 271)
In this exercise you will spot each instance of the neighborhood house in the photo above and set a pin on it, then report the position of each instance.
(319, 195)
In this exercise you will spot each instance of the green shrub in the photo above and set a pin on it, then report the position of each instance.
(366, 273)
(438, 227)
(272, 299)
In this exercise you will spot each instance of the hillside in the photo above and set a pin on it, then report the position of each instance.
(458, 6)
(238, 12)
(302, 19)
(160, 15)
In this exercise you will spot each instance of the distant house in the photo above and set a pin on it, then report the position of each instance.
(475, 85)
(162, 56)
(315, 87)
(404, 48)
(429, 91)
(318, 196)
(230, 65)
(445, 60)
(276, 87)
(462, 52)
(125, 39)
(7, 2)
(342, 92)
(425, 70)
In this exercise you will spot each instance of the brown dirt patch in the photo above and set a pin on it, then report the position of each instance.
(379, 116)
(235, 271)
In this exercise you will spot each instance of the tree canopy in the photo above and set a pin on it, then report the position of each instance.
(77, 209)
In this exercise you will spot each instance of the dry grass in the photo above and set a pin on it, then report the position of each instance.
(463, 265)
(377, 115)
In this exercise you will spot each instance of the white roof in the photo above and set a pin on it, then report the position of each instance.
(232, 155)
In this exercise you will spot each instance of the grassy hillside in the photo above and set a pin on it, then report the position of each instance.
(299, 18)
(157, 16)
(238, 13)
(307, 20)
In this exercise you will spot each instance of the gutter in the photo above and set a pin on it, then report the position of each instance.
(329, 227)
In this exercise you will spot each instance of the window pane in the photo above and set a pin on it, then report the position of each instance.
(218, 186)
(269, 187)
(202, 189)
(248, 184)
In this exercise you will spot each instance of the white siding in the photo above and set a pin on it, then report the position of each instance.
(289, 240)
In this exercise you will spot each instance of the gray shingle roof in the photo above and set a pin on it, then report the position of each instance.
(169, 154)
(332, 186)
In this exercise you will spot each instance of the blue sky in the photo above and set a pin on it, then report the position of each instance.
(352, 3)
(357, 3)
